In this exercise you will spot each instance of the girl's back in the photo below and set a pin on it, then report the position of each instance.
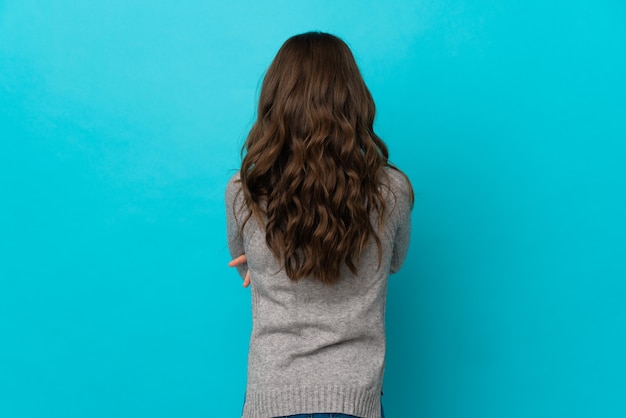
(318, 295)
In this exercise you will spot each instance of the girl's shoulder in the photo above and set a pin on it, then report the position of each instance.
(396, 180)
(233, 186)
(234, 195)
(398, 192)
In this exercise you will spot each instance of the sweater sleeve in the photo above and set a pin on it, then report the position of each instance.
(234, 207)
(403, 228)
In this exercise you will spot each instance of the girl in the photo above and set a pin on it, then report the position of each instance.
(317, 218)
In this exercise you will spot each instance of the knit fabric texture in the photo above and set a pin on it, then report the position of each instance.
(316, 348)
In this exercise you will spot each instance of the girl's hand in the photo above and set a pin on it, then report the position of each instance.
(242, 259)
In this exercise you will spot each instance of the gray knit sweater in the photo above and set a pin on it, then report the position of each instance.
(317, 348)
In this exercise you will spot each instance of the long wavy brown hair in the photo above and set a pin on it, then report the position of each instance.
(312, 163)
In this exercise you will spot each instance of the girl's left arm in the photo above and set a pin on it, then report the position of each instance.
(234, 235)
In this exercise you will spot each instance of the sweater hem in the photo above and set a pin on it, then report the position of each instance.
(293, 400)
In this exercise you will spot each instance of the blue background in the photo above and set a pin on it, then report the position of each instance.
(120, 123)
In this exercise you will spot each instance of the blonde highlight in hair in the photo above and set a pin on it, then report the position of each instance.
(312, 163)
